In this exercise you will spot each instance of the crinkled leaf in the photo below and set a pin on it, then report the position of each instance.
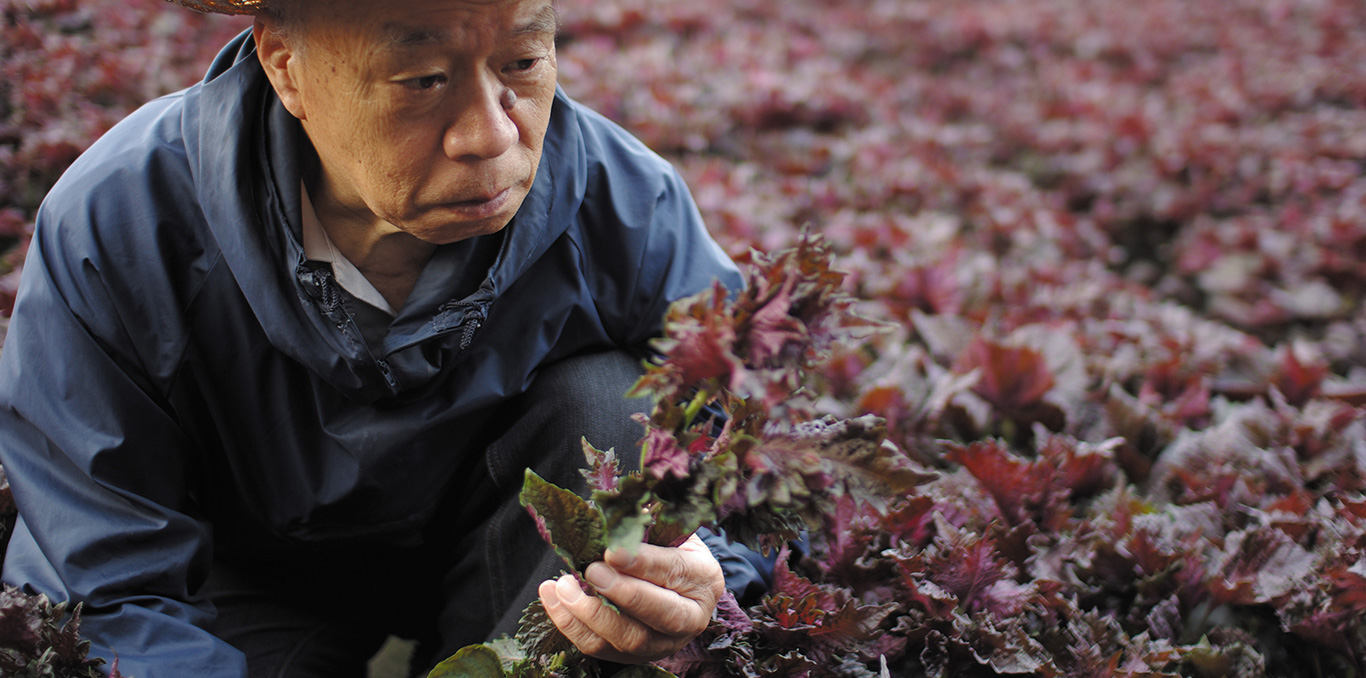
(572, 526)
(864, 466)
(962, 570)
(839, 457)
(826, 619)
(603, 468)
(474, 661)
(698, 342)
(1259, 566)
(539, 638)
(773, 336)
(1226, 653)
(791, 662)
(664, 455)
(1082, 468)
(624, 513)
(1013, 379)
(849, 538)
(807, 289)
(971, 569)
(721, 650)
(1005, 645)
(1349, 586)
(509, 651)
(1299, 378)
(37, 636)
(21, 620)
(968, 644)
(1024, 491)
(65, 641)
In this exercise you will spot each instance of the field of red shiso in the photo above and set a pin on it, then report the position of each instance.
(1123, 249)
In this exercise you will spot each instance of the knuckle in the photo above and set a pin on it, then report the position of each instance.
(679, 574)
(597, 614)
(626, 596)
(593, 645)
(715, 576)
(679, 625)
(634, 641)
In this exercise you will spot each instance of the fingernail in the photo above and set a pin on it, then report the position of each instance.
(568, 589)
(549, 594)
(601, 576)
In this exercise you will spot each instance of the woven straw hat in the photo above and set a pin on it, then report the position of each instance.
(224, 6)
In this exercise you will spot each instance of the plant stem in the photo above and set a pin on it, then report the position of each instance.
(698, 402)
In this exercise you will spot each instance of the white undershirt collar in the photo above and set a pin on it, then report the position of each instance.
(319, 247)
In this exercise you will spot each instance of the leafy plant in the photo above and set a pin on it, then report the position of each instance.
(36, 643)
(729, 444)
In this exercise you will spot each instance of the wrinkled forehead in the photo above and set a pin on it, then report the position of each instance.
(521, 18)
(413, 23)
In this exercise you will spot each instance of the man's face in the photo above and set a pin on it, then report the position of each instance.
(428, 116)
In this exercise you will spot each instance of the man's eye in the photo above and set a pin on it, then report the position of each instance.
(523, 65)
(426, 82)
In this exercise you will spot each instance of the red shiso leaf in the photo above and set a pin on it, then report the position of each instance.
(773, 335)
(1299, 380)
(603, 469)
(1260, 566)
(1025, 491)
(664, 456)
(1013, 378)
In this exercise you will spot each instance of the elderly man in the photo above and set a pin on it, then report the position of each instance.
(287, 339)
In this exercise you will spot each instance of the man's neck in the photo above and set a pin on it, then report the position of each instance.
(390, 259)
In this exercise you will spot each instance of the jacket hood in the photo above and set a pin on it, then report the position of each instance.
(246, 174)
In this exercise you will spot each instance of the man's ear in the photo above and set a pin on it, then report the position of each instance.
(278, 59)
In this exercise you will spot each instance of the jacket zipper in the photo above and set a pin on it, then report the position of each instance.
(330, 299)
(475, 314)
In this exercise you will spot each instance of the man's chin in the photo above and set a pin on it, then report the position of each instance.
(447, 232)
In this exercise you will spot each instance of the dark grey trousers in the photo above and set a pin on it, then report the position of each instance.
(461, 590)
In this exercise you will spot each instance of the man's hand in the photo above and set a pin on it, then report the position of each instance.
(666, 596)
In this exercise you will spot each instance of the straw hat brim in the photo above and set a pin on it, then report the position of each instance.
(224, 6)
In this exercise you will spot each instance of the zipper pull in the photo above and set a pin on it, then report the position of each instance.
(471, 325)
(388, 373)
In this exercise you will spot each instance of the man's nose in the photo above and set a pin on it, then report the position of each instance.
(484, 127)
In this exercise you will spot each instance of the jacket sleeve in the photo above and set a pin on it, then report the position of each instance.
(97, 465)
(680, 258)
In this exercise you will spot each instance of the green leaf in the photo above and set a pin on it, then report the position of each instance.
(540, 639)
(474, 661)
(509, 651)
(625, 517)
(573, 526)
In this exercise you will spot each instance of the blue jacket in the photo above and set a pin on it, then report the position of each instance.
(177, 378)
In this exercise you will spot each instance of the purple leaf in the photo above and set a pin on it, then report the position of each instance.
(603, 469)
(568, 522)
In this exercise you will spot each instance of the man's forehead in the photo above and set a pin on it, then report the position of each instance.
(542, 19)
